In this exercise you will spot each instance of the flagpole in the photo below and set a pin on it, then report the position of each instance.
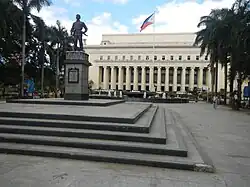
(153, 44)
(154, 38)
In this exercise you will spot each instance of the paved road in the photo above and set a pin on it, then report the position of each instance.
(224, 136)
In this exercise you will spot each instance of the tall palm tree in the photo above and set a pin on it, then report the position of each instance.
(226, 39)
(240, 38)
(26, 7)
(215, 38)
(10, 28)
(205, 38)
(41, 33)
(60, 41)
(224, 42)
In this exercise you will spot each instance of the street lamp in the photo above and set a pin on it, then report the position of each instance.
(62, 72)
(61, 78)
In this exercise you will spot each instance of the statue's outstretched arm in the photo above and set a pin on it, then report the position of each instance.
(85, 27)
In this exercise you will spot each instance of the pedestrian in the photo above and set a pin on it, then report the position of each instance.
(236, 100)
(215, 101)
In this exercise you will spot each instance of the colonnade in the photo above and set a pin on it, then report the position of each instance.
(153, 78)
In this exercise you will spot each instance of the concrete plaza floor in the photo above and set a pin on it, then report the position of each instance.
(222, 134)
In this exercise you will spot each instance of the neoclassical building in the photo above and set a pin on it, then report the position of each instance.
(161, 62)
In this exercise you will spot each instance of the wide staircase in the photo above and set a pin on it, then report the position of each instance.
(150, 137)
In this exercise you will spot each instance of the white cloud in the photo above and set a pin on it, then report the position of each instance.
(177, 16)
(102, 24)
(112, 1)
(171, 17)
(73, 2)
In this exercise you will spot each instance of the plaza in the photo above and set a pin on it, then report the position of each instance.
(150, 62)
(223, 135)
(124, 108)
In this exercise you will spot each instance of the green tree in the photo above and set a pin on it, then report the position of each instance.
(10, 28)
(205, 39)
(225, 39)
(41, 33)
(26, 7)
(60, 43)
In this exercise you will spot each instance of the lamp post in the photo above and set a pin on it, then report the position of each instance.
(61, 78)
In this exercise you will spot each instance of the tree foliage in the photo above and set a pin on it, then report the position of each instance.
(42, 42)
(224, 36)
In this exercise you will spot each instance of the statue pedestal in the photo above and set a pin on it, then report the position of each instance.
(76, 75)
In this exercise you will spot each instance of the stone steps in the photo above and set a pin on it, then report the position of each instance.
(162, 161)
(58, 137)
(120, 113)
(142, 125)
(122, 146)
(156, 138)
(59, 101)
(84, 133)
(156, 135)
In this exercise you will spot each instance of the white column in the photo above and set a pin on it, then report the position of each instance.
(128, 76)
(113, 78)
(143, 78)
(220, 77)
(98, 78)
(191, 80)
(105, 78)
(183, 79)
(159, 79)
(200, 78)
(167, 79)
(175, 79)
(135, 78)
(120, 78)
(151, 79)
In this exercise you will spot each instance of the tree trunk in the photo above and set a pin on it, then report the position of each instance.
(239, 83)
(57, 68)
(231, 86)
(216, 78)
(23, 55)
(225, 82)
(212, 73)
(42, 73)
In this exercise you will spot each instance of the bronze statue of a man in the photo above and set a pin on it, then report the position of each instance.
(77, 32)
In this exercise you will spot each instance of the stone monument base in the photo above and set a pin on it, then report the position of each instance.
(76, 75)
(76, 96)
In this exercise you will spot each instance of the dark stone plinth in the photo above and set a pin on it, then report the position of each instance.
(76, 96)
(76, 75)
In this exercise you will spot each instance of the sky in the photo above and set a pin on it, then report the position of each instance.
(126, 16)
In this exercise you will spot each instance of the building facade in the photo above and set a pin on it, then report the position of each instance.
(159, 62)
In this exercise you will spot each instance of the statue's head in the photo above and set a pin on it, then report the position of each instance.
(78, 17)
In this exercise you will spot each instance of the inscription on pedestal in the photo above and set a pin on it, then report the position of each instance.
(76, 81)
(73, 75)
(76, 55)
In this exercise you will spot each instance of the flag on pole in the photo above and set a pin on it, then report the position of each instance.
(149, 21)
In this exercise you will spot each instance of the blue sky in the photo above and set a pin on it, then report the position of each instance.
(126, 16)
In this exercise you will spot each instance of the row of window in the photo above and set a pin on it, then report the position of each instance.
(163, 57)
(155, 76)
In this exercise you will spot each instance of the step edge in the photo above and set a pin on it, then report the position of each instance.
(137, 137)
(98, 145)
(185, 165)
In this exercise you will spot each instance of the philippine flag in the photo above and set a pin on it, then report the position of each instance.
(149, 21)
